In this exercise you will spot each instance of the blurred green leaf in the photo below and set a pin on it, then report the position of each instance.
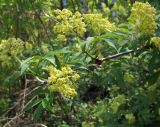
(37, 113)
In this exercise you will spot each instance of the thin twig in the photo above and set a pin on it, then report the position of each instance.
(117, 55)
(37, 125)
(24, 93)
(20, 100)
(40, 80)
(4, 119)
(8, 123)
(99, 61)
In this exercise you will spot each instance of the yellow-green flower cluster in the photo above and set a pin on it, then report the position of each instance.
(98, 24)
(61, 37)
(121, 11)
(142, 18)
(65, 14)
(78, 25)
(62, 80)
(87, 124)
(68, 23)
(128, 77)
(9, 48)
(130, 118)
(155, 41)
(44, 47)
(117, 102)
(105, 9)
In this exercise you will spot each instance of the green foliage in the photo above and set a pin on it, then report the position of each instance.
(92, 64)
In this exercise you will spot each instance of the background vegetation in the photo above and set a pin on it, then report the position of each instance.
(80, 63)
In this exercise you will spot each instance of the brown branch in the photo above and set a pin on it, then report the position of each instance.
(99, 61)
(117, 55)
(2, 119)
(37, 125)
(14, 106)
(24, 93)
(12, 119)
